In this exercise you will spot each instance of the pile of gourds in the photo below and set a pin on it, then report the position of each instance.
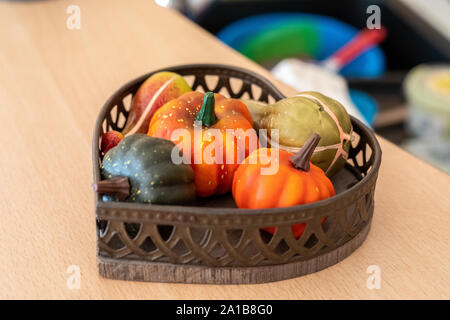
(307, 138)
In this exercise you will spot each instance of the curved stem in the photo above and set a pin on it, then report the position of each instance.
(301, 159)
(118, 187)
(207, 114)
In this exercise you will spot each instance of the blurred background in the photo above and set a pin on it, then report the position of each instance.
(396, 79)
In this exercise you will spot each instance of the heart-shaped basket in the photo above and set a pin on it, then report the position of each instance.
(215, 242)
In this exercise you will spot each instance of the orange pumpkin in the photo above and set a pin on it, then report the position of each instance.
(297, 181)
(225, 146)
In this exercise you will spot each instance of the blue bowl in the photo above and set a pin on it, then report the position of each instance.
(329, 35)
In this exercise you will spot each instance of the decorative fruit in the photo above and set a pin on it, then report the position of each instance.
(256, 109)
(140, 169)
(296, 118)
(221, 137)
(110, 139)
(158, 89)
(152, 94)
(296, 182)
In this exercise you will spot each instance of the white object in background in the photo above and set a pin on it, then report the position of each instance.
(434, 13)
(305, 76)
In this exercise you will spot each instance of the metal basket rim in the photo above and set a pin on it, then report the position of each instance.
(214, 211)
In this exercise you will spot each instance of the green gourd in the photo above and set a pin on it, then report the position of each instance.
(140, 169)
(297, 117)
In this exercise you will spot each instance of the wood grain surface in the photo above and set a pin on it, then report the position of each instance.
(54, 80)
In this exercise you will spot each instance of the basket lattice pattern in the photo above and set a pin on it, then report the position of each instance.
(226, 236)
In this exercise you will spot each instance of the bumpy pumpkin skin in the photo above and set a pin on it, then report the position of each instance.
(153, 177)
(298, 117)
(180, 113)
(288, 187)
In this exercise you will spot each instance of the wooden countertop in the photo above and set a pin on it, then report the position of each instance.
(53, 82)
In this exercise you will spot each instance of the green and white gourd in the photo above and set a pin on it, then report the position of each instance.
(291, 121)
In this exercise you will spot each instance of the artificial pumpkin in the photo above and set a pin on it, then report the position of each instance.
(140, 169)
(296, 118)
(215, 133)
(297, 181)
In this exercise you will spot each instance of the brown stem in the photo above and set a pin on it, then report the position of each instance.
(301, 159)
(118, 187)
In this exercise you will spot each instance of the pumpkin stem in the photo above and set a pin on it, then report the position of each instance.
(206, 114)
(118, 187)
(301, 159)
